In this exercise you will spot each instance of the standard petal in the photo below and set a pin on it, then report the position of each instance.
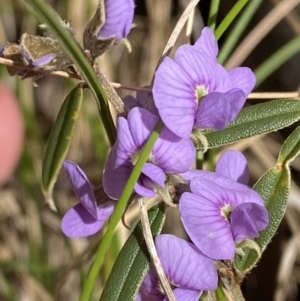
(116, 173)
(213, 112)
(247, 219)
(205, 225)
(203, 69)
(82, 187)
(141, 123)
(182, 294)
(174, 97)
(118, 19)
(78, 222)
(207, 42)
(233, 164)
(187, 267)
(173, 154)
(236, 99)
(125, 143)
(219, 188)
(196, 176)
(242, 78)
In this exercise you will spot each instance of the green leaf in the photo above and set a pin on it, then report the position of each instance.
(277, 59)
(238, 28)
(274, 187)
(256, 120)
(291, 148)
(132, 263)
(247, 246)
(230, 17)
(59, 141)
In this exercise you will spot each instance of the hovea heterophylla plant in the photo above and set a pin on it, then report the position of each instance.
(193, 105)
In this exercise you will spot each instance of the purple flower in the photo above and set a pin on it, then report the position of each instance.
(220, 210)
(187, 269)
(85, 218)
(170, 155)
(143, 100)
(118, 19)
(193, 91)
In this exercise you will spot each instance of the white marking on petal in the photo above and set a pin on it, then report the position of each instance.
(200, 92)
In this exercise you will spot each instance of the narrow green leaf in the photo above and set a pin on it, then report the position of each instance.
(248, 245)
(230, 17)
(291, 148)
(213, 13)
(274, 187)
(277, 59)
(256, 120)
(132, 263)
(246, 263)
(59, 140)
(237, 30)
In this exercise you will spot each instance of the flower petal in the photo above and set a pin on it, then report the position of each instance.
(233, 164)
(140, 123)
(195, 176)
(247, 219)
(172, 153)
(82, 187)
(224, 190)
(116, 172)
(237, 99)
(242, 78)
(118, 18)
(205, 225)
(213, 112)
(203, 69)
(174, 97)
(154, 173)
(149, 288)
(126, 144)
(145, 99)
(207, 42)
(78, 222)
(130, 102)
(44, 60)
(152, 176)
(184, 265)
(182, 294)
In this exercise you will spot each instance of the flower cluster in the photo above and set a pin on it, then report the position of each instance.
(191, 92)
(218, 213)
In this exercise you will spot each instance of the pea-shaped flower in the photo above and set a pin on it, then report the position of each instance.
(85, 218)
(188, 270)
(221, 210)
(193, 91)
(110, 24)
(118, 19)
(170, 155)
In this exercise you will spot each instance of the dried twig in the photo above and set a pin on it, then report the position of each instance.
(152, 251)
